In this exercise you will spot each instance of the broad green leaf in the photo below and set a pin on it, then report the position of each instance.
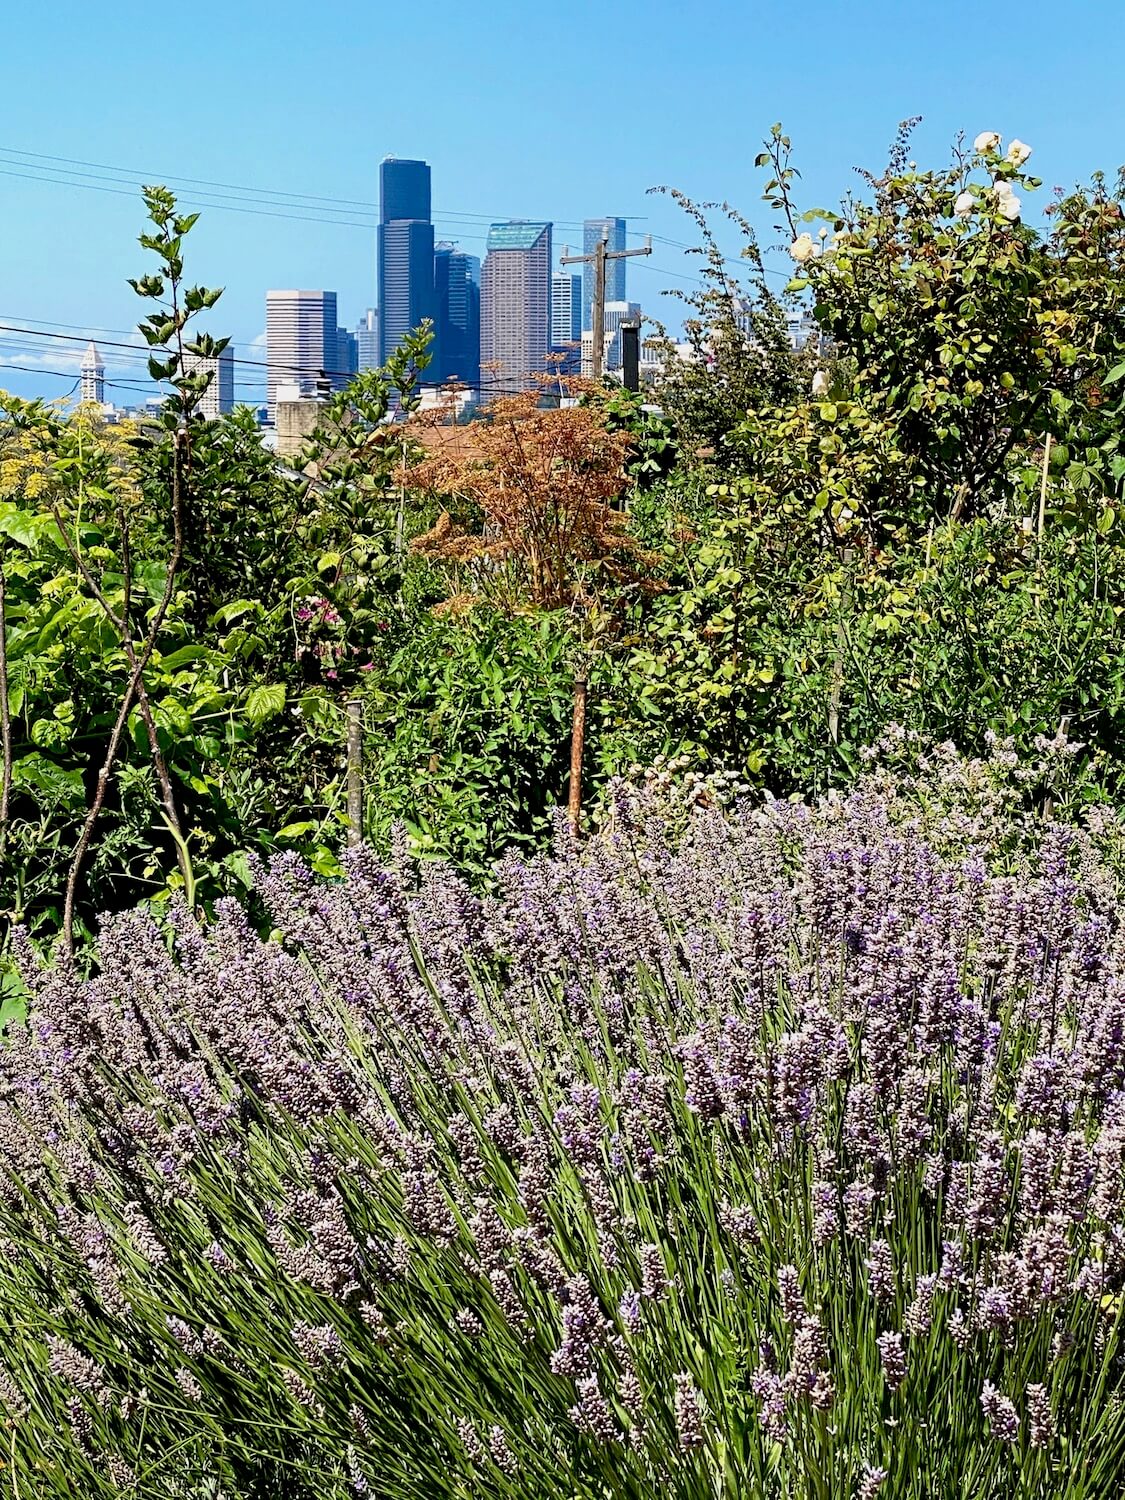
(296, 830)
(20, 526)
(264, 702)
(182, 657)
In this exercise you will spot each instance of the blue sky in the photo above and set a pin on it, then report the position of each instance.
(559, 112)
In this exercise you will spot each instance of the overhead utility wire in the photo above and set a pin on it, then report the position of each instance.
(339, 206)
(140, 349)
(128, 174)
(491, 387)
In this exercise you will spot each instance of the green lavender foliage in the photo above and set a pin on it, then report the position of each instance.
(624, 1182)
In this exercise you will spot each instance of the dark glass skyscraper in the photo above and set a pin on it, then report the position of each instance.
(613, 230)
(457, 299)
(405, 251)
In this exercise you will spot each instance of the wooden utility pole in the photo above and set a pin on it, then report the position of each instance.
(599, 255)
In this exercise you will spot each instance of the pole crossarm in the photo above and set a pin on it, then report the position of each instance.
(598, 257)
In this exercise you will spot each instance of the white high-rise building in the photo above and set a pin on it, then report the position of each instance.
(566, 310)
(367, 340)
(301, 341)
(219, 395)
(93, 376)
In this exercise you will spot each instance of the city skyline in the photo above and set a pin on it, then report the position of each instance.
(283, 163)
(533, 310)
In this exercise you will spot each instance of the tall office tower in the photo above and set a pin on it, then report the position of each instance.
(219, 395)
(367, 340)
(346, 363)
(405, 251)
(515, 312)
(93, 376)
(566, 310)
(614, 232)
(300, 341)
(457, 298)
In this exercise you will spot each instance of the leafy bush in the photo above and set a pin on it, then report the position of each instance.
(772, 657)
(774, 1152)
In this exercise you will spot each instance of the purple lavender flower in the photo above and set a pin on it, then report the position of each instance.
(880, 1270)
(769, 1389)
(688, 1406)
(1003, 1421)
(1040, 1418)
(871, 1483)
(859, 1203)
(825, 1213)
(892, 1356)
(920, 1313)
(792, 1302)
(591, 1412)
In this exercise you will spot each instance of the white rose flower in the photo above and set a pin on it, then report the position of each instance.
(964, 205)
(988, 140)
(820, 383)
(1006, 200)
(802, 248)
(1018, 153)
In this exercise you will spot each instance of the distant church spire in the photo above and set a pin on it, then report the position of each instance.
(93, 375)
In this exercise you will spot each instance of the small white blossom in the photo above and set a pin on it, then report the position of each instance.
(988, 140)
(964, 204)
(1018, 153)
(820, 383)
(802, 248)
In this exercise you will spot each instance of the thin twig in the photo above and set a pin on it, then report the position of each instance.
(121, 624)
(139, 663)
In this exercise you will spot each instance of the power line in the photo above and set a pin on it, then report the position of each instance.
(123, 385)
(234, 208)
(338, 207)
(285, 198)
(218, 202)
(486, 386)
(139, 350)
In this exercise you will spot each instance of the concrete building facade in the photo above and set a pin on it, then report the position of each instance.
(219, 395)
(515, 337)
(301, 341)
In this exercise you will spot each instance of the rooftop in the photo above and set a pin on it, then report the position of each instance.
(517, 234)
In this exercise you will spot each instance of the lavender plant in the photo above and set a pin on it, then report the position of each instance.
(776, 1150)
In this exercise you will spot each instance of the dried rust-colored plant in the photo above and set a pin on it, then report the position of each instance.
(538, 486)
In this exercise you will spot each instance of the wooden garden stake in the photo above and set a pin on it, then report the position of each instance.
(355, 771)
